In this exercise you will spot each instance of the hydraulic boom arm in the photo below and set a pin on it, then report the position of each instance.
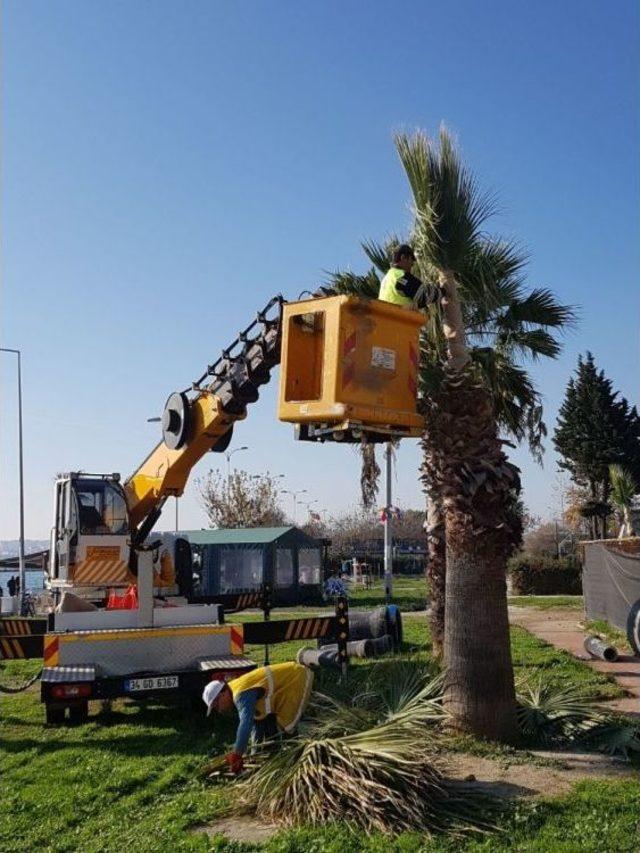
(201, 418)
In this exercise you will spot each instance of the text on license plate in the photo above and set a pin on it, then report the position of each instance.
(160, 682)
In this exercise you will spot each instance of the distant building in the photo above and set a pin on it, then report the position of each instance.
(242, 559)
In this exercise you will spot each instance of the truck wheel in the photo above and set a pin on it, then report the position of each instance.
(79, 713)
(195, 702)
(54, 715)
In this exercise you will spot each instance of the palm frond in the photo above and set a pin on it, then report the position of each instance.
(380, 254)
(548, 713)
(385, 777)
(450, 208)
(492, 275)
(541, 308)
(615, 737)
(516, 402)
(532, 343)
(623, 487)
(369, 475)
(351, 284)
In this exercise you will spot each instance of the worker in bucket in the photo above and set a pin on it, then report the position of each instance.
(400, 286)
(269, 700)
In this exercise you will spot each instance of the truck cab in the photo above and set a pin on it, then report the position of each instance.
(90, 534)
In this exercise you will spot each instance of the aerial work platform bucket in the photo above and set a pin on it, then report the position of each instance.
(349, 369)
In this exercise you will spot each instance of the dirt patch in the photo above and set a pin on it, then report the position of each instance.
(502, 779)
(246, 829)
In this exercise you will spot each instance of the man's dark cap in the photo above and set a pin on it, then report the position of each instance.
(403, 249)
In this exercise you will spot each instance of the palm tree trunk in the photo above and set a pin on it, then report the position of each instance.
(436, 572)
(467, 467)
(452, 321)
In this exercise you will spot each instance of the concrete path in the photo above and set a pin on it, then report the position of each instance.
(560, 627)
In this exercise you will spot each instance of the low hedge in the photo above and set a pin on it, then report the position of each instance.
(532, 574)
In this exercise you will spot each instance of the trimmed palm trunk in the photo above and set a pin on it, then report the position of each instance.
(467, 466)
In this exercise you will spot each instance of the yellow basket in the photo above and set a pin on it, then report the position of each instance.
(347, 360)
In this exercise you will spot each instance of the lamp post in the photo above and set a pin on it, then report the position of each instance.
(388, 534)
(229, 454)
(308, 504)
(295, 499)
(21, 469)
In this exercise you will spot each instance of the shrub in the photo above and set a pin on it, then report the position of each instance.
(534, 574)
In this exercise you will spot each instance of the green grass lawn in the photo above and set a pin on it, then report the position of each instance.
(409, 593)
(546, 602)
(128, 780)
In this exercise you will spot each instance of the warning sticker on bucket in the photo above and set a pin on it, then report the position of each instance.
(385, 358)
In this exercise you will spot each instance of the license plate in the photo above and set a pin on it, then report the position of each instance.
(160, 682)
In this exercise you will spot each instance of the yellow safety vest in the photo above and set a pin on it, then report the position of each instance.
(388, 290)
(286, 686)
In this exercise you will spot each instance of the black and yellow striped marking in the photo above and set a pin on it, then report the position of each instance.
(305, 629)
(283, 630)
(18, 626)
(17, 648)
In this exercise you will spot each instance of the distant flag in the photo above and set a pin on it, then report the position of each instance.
(392, 511)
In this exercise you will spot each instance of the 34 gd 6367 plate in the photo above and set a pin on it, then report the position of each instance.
(160, 682)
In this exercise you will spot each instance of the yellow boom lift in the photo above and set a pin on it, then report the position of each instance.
(349, 373)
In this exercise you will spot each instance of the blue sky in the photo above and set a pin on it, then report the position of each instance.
(167, 167)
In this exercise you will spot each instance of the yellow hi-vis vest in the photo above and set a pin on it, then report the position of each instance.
(287, 687)
(388, 290)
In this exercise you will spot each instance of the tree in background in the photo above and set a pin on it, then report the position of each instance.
(596, 429)
(352, 529)
(242, 500)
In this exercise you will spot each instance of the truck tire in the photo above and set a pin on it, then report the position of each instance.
(633, 627)
(54, 715)
(79, 713)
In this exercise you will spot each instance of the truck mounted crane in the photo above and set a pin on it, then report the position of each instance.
(349, 373)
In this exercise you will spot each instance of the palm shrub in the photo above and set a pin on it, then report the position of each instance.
(567, 717)
(623, 490)
(548, 714)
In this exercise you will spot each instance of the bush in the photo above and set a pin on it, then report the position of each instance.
(534, 574)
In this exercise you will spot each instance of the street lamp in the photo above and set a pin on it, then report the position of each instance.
(308, 504)
(388, 532)
(260, 476)
(295, 499)
(20, 462)
(229, 454)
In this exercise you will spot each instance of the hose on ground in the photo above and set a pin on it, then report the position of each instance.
(5, 689)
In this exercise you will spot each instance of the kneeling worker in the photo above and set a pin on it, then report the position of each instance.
(399, 286)
(269, 699)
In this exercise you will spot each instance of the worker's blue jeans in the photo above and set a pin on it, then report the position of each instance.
(262, 730)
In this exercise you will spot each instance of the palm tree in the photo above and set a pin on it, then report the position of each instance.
(505, 325)
(471, 337)
(623, 489)
(464, 458)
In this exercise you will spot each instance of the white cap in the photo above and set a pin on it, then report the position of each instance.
(211, 693)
